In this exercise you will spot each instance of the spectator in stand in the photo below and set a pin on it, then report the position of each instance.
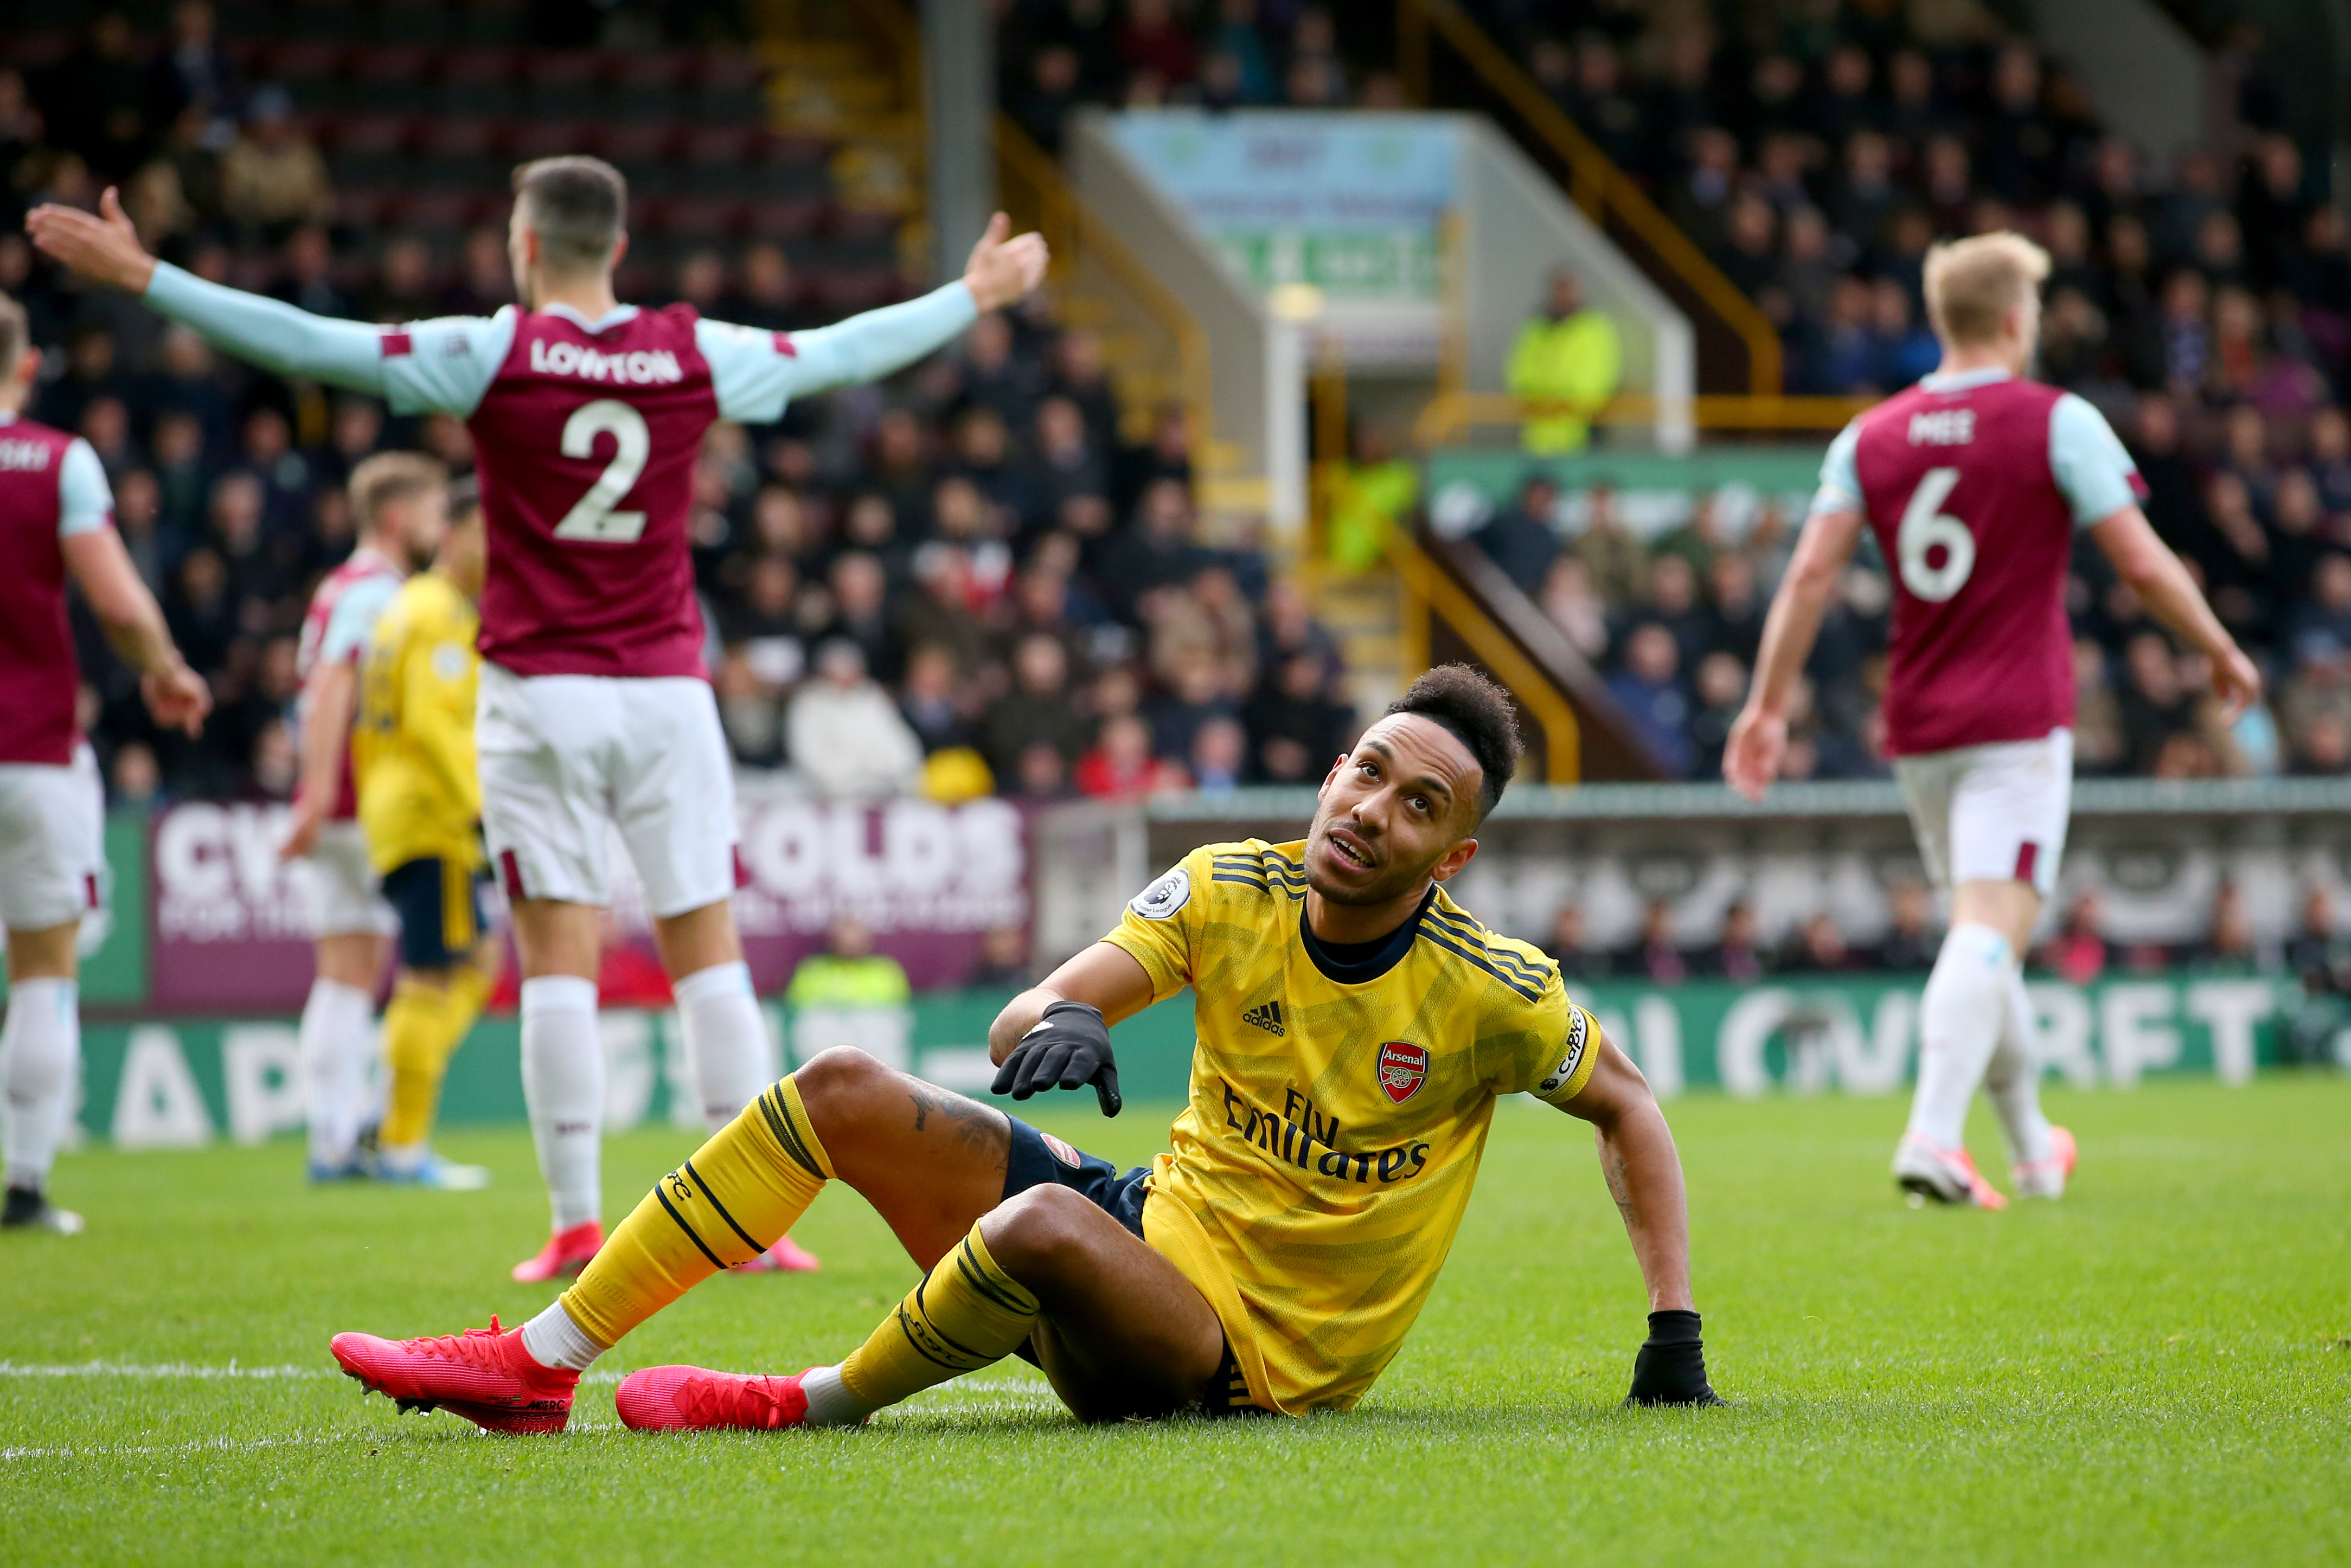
(1566, 364)
(2078, 952)
(1369, 498)
(272, 176)
(1003, 963)
(1820, 949)
(1721, 687)
(1120, 766)
(846, 975)
(845, 735)
(1909, 942)
(1654, 957)
(2230, 946)
(1036, 711)
(1732, 955)
(1219, 754)
(1649, 689)
(1569, 948)
(1521, 539)
(1615, 556)
(1296, 730)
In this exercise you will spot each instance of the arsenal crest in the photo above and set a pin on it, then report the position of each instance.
(1403, 1067)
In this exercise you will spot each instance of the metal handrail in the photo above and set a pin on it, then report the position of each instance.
(1433, 590)
(1595, 183)
(1452, 411)
(1071, 228)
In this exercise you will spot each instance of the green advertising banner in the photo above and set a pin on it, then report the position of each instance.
(182, 1084)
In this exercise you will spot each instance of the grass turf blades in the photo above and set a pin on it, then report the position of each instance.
(2158, 1369)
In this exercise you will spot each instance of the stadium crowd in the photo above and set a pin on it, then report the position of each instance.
(969, 581)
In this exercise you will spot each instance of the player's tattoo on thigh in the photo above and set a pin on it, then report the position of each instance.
(975, 1127)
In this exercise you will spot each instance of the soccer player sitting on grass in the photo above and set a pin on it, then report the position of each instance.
(1354, 1028)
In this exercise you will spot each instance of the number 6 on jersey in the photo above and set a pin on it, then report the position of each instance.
(1924, 525)
(591, 516)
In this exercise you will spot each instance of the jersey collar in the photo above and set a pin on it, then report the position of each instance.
(1360, 964)
(1963, 380)
(612, 318)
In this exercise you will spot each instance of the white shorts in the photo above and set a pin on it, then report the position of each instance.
(52, 842)
(340, 891)
(1993, 812)
(568, 759)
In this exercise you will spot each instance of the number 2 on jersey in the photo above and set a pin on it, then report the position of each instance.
(592, 517)
(1925, 526)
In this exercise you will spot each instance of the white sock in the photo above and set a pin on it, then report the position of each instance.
(1959, 1024)
(554, 1340)
(40, 1054)
(334, 1066)
(2013, 1080)
(563, 1084)
(830, 1402)
(726, 1039)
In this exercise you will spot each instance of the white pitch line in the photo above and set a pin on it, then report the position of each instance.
(166, 1370)
(207, 1445)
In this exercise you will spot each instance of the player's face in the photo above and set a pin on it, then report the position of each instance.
(1396, 811)
(419, 524)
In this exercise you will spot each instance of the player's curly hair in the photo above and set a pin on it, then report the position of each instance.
(1481, 716)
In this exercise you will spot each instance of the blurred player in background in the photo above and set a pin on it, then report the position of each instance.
(57, 519)
(420, 805)
(596, 711)
(400, 509)
(1974, 483)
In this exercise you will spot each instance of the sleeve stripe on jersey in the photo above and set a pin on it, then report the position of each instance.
(1467, 928)
(1517, 984)
(1258, 882)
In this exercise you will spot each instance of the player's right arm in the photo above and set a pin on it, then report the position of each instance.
(2148, 566)
(463, 352)
(1759, 739)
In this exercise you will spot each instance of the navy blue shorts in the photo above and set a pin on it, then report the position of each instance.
(1037, 1157)
(440, 907)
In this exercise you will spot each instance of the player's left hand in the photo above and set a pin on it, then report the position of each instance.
(1003, 269)
(1068, 1047)
(1671, 1367)
(104, 248)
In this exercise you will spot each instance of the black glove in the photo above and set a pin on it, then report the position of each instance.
(1671, 1367)
(1068, 1046)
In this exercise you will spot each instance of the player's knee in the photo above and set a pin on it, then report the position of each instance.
(1033, 1235)
(836, 1083)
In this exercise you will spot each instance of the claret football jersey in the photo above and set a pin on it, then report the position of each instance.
(1338, 1111)
(1973, 484)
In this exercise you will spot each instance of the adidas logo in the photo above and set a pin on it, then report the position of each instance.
(1268, 1018)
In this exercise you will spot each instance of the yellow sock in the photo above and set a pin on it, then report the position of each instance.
(422, 1028)
(964, 1314)
(741, 1190)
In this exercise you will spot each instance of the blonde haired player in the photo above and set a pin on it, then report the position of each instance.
(1355, 1028)
(1974, 483)
(420, 805)
(596, 711)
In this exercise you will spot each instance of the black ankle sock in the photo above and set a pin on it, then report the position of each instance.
(24, 1203)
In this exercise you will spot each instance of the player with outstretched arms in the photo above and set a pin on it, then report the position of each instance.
(56, 520)
(1974, 483)
(595, 712)
(1355, 1027)
(398, 511)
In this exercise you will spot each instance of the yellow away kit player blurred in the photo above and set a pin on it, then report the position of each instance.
(421, 807)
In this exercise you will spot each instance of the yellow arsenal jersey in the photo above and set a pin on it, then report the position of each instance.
(413, 743)
(1338, 1108)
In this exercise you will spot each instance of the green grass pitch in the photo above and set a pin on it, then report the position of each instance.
(2157, 1370)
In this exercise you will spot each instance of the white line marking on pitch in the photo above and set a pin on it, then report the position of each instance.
(172, 1369)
